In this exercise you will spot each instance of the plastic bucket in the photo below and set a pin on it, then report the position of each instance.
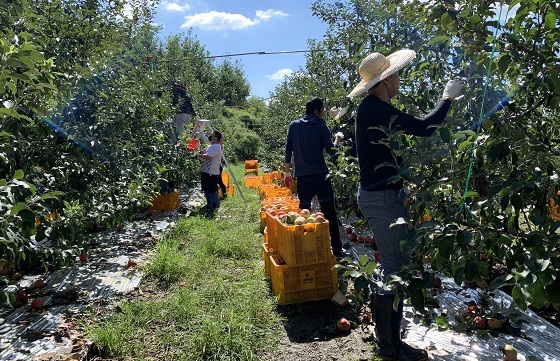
(193, 144)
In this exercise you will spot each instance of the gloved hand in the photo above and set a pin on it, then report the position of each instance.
(339, 135)
(453, 89)
(288, 179)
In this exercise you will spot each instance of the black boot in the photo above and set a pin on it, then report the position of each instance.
(388, 331)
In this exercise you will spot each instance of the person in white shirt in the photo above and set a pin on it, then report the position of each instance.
(210, 169)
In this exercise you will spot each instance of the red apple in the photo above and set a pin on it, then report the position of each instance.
(83, 257)
(480, 322)
(353, 236)
(37, 303)
(349, 230)
(361, 239)
(437, 282)
(22, 298)
(343, 325)
(279, 261)
(39, 283)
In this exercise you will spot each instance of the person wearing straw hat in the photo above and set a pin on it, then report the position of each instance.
(381, 194)
(307, 139)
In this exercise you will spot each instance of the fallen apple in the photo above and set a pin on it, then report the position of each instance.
(510, 353)
(343, 325)
(349, 230)
(83, 257)
(361, 239)
(494, 324)
(37, 303)
(480, 322)
(437, 282)
(353, 236)
(39, 283)
(22, 297)
(17, 276)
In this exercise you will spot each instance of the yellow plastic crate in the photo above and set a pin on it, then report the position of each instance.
(275, 193)
(264, 187)
(267, 178)
(271, 230)
(304, 244)
(303, 283)
(225, 178)
(165, 202)
(284, 202)
(252, 181)
(266, 253)
(252, 167)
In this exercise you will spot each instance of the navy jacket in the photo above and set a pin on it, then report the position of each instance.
(307, 140)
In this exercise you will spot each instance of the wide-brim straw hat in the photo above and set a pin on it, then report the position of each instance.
(376, 67)
(337, 113)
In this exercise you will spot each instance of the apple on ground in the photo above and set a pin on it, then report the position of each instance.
(349, 230)
(37, 303)
(343, 325)
(353, 236)
(361, 239)
(510, 353)
(437, 282)
(22, 297)
(494, 324)
(83, 257)
(480, 322)
(39, 283)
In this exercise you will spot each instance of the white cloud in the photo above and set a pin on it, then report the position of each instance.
(280, 74)
(174, 7)
(219, 20)
(269, 14)
(215, 20)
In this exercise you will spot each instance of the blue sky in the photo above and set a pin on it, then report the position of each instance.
(244, 26)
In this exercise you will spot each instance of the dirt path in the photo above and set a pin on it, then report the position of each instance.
(310, 334)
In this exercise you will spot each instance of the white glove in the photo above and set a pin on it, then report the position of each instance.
(339, 135)
(453, 89)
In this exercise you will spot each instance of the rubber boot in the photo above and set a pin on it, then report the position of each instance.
(388, 330)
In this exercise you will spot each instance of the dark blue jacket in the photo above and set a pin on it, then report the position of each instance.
(307, 138)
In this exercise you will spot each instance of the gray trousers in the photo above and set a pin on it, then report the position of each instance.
(381, 209)
(181, 120)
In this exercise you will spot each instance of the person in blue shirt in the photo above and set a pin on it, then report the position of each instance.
(306, 141)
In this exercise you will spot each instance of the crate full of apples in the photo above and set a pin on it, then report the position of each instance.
(303, 237)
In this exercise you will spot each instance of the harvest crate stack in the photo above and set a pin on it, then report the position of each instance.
(297, 258)
(230, 188)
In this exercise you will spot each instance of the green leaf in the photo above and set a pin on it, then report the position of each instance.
(417, 299)
(439, 39)
(16, 208)
(446, 246)
(442, 322)
(550, 21)
(519, 297)
(19, 174)
(472, 271)
(504, 63)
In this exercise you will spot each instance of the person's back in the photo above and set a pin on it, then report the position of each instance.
(308, 137)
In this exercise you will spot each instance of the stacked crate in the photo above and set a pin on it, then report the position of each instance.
(297, 258)
(230, 188)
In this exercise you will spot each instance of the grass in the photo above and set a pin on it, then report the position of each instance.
(210, 300)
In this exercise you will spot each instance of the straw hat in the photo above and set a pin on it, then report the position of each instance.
(337, 113)
(376, 67)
